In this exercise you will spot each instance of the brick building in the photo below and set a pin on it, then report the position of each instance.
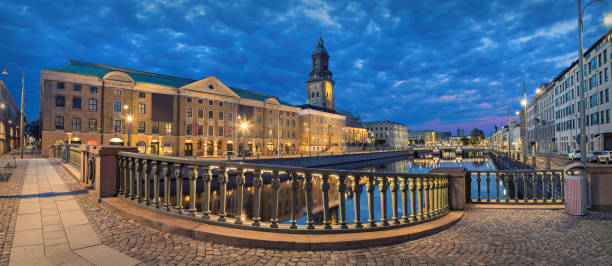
(9, 121)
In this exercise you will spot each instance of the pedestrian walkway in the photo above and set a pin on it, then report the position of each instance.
(51, 228)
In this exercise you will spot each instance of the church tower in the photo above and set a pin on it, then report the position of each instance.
(320, 86)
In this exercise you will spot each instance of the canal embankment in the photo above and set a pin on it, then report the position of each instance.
(330, 160)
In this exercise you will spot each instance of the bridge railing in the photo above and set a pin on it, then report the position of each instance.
(515, 186)
(206, 191)
(70, 153)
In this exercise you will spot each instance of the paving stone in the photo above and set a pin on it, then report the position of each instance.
(103, 255)
(73, 217)
(28, 221)
(80, 236)
(28, 237)
(67, 205)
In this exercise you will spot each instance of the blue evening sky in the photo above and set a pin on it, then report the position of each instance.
(432, 64)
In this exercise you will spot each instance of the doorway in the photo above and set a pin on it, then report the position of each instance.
(155, 148)
(188, 149)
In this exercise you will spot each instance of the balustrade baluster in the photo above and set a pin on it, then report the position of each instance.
(223, 177)
(120, 172)
(294, 186)
(275, 184)
(394, 208)
(325, 191)
(308, 192)
(446, 206)
(342, 207)
(544, 187)
(534, 189)
(167, 174)
(404, 189)
(124, 175)
(525, 183)
(257, 186)
(146, 183)
(497, 179)
(207, 178)
(131, 172)
(506, 181)
(561, 183)
(469, 187)
(516, 187)
(431, 197)
(138, 169)
(370, 191)
(178, 180)
(193, 178)
(382, 187)
(488, 179)
(411, 187)
(419, 195)
(357, 200)
(240, 179)
(426, 199)
(478, 179)
(441, 196)
(435, 194)
(156, 171)
(552, 187)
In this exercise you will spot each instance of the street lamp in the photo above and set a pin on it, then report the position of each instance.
(21, 113)
(244, 127)
(607, 21)
(129, 120)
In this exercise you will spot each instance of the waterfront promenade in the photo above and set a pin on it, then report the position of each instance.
(45, 206)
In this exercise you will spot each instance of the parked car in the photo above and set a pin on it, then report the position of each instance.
(573, 154)
(592, 156)
(605, 157)
(247, 153)
(230, 153)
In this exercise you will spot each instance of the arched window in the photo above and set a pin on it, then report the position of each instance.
(116, 141)
(167, 147)
(317, 94)
(142, 147)
(312, 95)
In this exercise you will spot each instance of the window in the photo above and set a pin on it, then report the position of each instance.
(60, 85)
(211, 114)
(293, 123)
(59, 122)
(76, 102)
(211, 87)
(608, 116)
(259, 120)
(189, 112)
(168, 128)
(229, 132)
(93, 125)
(601, 97)
(141, 95)
(117, 106)
(141, 127)
(199, 129)
(271, 122)
(221, 131)
(60, 101)
(93, 89)
(93, 104)
(200, 101)
(188, 99)
(117, 126)
(220, 116)
(211, 102)
(189, 129)
(76, 87)
(607, 96)
(605, 56)
(142, 108)
(117, 92)
(221, 103)
(155, 129)
(210, 131)
(229, 116)
(200, 113)
(76, 124)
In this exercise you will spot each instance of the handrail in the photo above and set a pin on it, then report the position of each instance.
(150, 181)
(531, 186)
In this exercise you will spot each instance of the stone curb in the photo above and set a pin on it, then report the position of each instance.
(516, 206)
(270, 240)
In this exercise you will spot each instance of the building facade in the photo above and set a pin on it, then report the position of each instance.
(9, 121)
(391, 134)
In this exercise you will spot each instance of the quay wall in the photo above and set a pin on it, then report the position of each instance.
(330, 160)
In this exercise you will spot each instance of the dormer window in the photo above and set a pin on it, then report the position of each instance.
(211, 87)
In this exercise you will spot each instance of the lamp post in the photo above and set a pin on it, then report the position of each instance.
(244, 127)
(20, 113)
(129, 119)
(607, 21)
(524, 104)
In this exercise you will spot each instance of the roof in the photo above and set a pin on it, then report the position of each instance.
(309, 106)
(99, 70)
(352, 120)
(382, 122)
(256, 96)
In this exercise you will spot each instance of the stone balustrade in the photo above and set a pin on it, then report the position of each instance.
(516, 186)
(184, 187)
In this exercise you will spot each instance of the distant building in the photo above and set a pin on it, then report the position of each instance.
(391, 134)
(427, 137)
(9, 121)
(460, 132)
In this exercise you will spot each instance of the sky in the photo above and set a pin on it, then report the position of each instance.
(432, 64)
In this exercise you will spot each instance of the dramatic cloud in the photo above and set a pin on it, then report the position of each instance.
(427, 64)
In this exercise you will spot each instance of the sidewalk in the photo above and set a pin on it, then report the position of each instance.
(51, 228)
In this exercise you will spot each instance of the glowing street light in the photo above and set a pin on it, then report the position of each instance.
(523, 102)
(244, 127)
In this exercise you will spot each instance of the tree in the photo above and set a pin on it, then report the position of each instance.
(495, 127)
(476, 136)
(465, 141)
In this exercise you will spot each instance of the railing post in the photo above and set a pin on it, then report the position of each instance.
(430, 186)
(131, 172)
(506, 180)
(240, 179)
(394, 208)
(167, 172)
(138, 168)
(497, 179)
(156, 171)
(325, 191)
(436, 196)
(426, 199)
(533, 186)
(178, 179)
(308, 192)
(146, 183)
(404, 189)
(516, 187)
(294, 185)
(193, 178)
(119, 171)
(525, 183)
(552, 187)
(207, 178)
(342, 207)
(544, 187)
(478, 179)
(257, 185)
(223, 176)
(370, 191)
(562, 196)
(418, 188)
(488, 179)
(275, 183)
(468, 189)
(357, 200)
(382, 187)
(125, 174)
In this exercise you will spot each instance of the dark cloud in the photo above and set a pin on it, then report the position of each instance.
(439, 64)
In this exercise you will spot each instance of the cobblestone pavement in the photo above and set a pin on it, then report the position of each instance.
(483, 236)
(9, 204)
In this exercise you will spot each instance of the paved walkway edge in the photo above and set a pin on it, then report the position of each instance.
(270, 240)
(517, 206)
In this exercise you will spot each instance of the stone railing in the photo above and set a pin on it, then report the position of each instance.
(204, 191)
(515, 186)
(68, 152)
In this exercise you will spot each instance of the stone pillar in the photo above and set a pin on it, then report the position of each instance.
(456, 186)
(105, 168)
